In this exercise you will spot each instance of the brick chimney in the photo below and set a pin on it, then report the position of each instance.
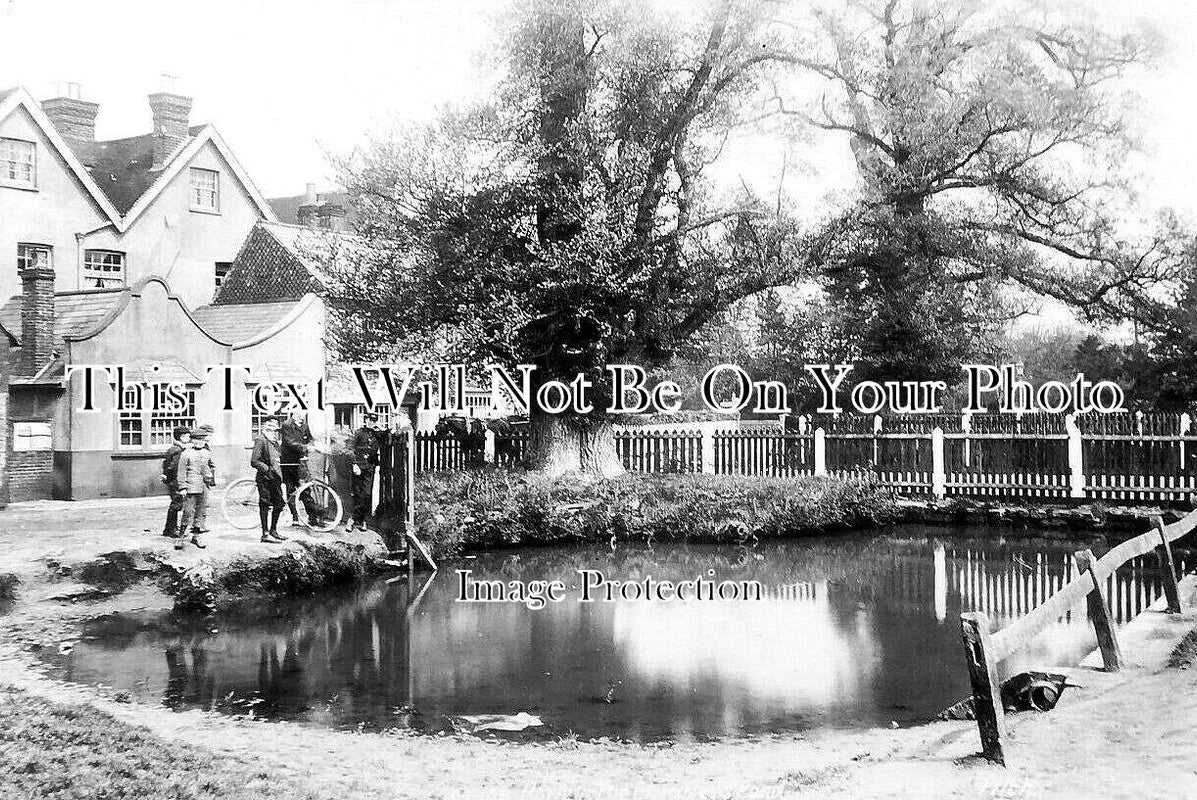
(172, 118)
(308, 209)
(330, 216)
(73, 117)
(37, 318)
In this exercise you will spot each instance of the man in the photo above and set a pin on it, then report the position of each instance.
(296, 436)
(364, 447)
(194, 476)
(268, 464)
(170, 469)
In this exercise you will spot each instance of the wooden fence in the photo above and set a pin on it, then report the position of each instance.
(1117, 457)
(985, 650)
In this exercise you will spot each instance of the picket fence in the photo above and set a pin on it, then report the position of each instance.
(1111, 457)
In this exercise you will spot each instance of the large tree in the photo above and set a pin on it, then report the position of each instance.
(569, 224)
(572, 221)
(990, 140)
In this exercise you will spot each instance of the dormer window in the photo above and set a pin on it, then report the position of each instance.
(205, 190)
(18, 163)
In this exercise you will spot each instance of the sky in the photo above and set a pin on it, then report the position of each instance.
(289, 81)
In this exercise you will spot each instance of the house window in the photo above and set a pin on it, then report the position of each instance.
(222, 269)
(31, 437)
(103, 269)
(18, 163)
(131, 430)
(205, 189)
(164, 422)
(33, 255)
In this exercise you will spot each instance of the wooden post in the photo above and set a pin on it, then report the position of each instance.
(987, 690)
(939, 478)
(1076, 459)
(820, 452)
(1167, 567)
(1103, 625)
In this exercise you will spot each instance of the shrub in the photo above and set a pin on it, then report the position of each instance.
(460, 511)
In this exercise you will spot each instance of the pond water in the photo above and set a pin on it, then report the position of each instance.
(850, 631)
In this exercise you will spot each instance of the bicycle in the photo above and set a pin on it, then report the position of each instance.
(240, 503)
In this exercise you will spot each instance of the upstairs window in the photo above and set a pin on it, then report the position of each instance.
(18, 163)
(205, 189)
(103, 269)
(34, 255)
(222, 269)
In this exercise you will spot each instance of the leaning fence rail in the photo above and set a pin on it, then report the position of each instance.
(985, 650)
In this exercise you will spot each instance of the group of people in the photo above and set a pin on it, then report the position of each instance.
(278, 459)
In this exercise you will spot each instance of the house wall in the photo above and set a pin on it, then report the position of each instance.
(171, 241)
(51, 214)
(154, 325)
(299, 350)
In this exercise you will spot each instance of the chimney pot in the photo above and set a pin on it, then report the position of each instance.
(37, 318)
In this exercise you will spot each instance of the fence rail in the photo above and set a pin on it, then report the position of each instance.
(985, 650)
(1119, 457)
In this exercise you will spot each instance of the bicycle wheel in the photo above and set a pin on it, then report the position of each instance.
(240, 504)
(320, 504)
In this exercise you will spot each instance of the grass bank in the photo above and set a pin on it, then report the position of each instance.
(52, 750)
(463, 511)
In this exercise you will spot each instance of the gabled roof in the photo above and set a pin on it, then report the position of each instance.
(75, 313)
(285, 262)
(122, 168)
(121, 178)
(201, 136)
(17, 97)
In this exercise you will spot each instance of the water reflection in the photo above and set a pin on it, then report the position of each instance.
(850, 631)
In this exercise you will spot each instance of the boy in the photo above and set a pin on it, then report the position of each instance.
(194, 476)
(170, 468)
(268, 464)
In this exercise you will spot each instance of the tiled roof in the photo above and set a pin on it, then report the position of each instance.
(75, 313)
(123, 168)
(234, 323)
(284, 262)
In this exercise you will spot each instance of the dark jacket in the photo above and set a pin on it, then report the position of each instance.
(296, 437)
(266, 458)
(170, 465)
(365, 446)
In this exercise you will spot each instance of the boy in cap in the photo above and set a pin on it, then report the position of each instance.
(194, 477)
(364, 447)
(170, 468)
(268, 464)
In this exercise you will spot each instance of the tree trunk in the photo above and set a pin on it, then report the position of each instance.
(560, 446)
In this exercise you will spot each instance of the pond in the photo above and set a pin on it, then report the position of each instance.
(849, 631)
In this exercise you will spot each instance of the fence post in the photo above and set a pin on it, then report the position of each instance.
(987, 690)
(820, 453)
(1185, 424)
(1103, 625)
(488, 450)
(1076, 466)
(706, 448)
(1167, 567)
(966, 427)
(939, 479)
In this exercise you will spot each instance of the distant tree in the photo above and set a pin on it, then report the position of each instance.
(988, 137)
